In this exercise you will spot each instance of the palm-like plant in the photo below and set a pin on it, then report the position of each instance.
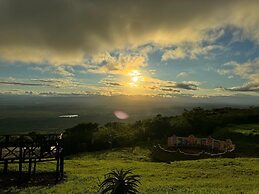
(120, 182)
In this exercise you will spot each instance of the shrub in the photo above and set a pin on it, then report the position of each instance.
(120, 182)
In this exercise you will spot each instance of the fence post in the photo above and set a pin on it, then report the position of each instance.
(20, 163)
(58, 163)
(5, 166)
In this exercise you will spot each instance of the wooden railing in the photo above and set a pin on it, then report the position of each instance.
(31, 149)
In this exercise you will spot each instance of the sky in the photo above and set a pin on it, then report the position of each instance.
(175, 48)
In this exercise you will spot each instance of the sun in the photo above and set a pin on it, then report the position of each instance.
(135, 77)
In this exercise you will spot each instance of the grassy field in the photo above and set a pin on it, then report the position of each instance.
(200, 176)
(222, 175)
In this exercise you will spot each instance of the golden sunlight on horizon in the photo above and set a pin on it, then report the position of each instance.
(135, 76)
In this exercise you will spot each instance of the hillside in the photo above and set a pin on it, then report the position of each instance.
(221, 175)
(200, 176)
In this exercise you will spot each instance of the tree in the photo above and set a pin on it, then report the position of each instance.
(79, 138)
(159, 127)
(120, 182)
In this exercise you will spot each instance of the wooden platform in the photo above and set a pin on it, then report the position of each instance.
(32, 149)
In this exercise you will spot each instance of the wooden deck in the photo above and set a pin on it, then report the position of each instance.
(32, 149)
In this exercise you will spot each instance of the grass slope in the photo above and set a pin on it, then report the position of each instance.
(220, 175)
(200, 176)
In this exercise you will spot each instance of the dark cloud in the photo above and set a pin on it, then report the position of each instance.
(58, 83)
(111, 83)
(170, 90)
(250, 87)
(22, 83)
(55, 83)
(65, 31)
(184, 85)
(187, 86)
(170, 86)
(48, 80)
(51, 93)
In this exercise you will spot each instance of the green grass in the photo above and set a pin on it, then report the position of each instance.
(199, 176)
(222, 175)
(244, 129)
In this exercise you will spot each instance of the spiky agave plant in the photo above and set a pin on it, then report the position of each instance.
(120, 182)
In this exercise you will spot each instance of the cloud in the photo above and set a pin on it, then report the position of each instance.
(190, 85)
(51, 93)
(177, 53)
(111, 83)
(22, 83)
(123, 63)
(66, 32)
(248, 87)
(46, 82)
(63, 70)
(190, 51)
(144, 85)
(183, 74)
(248, 70)
(13, 92)
(58, 83)
(171, 86)
(170, 90)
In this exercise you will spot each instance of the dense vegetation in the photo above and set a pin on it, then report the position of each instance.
(200, 122)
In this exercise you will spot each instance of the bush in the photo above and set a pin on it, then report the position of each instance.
(120, 182)
(79, 138)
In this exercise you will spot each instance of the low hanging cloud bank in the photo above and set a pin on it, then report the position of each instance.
(65, 32)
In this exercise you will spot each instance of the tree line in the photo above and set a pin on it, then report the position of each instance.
(197, 121)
